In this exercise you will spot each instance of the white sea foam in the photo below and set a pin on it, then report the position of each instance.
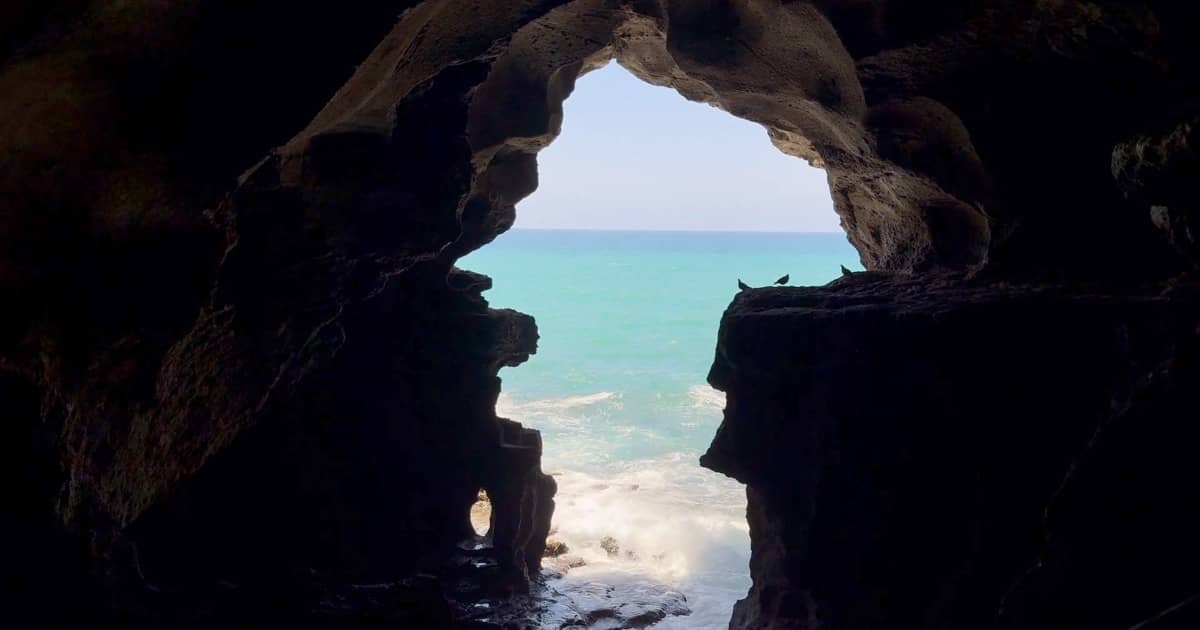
(706, 397)
(506, 406)
(673, 522)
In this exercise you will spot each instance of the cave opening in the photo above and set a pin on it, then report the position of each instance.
(649, 211)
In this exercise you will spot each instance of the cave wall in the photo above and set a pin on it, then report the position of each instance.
(929, 452)
(253, 386)
(229, 231)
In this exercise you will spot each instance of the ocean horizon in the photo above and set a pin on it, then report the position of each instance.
(627, 321)
(674, 230)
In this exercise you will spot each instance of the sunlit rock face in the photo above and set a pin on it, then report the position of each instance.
(250, 374)
(980, 135)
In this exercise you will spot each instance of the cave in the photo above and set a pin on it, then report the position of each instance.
(244, 381)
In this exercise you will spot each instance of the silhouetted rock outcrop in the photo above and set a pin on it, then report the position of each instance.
(930, 448)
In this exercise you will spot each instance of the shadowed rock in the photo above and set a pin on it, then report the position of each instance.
(890, 451)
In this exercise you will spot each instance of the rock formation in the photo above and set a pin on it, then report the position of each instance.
(242, 372)
(930, 451)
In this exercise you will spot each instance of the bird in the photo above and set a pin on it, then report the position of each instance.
(846, 272)
(784, 279)
(742, 285)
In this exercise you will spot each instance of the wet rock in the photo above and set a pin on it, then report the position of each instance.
(567, 562)
(623, 604)
(610, 546)
(521, 497)
(555, 548)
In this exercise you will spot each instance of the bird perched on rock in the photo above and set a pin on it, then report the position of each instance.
(784, 279)
(742, 285)
(846, 272)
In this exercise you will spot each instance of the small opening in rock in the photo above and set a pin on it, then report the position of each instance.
(481, 514)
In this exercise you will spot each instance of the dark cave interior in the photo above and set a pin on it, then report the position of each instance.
(243, 377)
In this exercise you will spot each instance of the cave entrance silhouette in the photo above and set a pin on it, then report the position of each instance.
(649, 211)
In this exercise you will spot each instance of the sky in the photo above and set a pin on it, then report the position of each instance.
(633, 156)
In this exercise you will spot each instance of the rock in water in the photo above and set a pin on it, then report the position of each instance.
(555, 548)
(633, 604)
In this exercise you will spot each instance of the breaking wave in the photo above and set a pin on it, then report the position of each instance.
(704, 396)
(666, 520)
(506, 406)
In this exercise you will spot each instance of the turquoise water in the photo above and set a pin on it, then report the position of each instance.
(628, 324)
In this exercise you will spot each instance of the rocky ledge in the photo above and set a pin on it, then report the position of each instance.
(949, 452)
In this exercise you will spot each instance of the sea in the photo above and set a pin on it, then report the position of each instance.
(628, 327)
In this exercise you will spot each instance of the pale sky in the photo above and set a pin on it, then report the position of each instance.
(633, 156)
